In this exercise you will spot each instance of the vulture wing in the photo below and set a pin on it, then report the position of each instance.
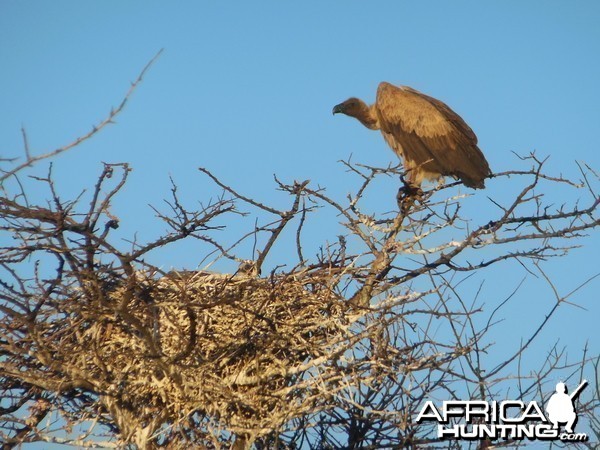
(432, 139)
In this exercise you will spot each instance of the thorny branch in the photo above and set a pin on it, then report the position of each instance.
(340, 350)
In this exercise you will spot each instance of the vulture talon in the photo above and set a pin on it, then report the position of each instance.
(407, 195)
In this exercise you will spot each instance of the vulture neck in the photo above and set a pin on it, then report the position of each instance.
(367, 115)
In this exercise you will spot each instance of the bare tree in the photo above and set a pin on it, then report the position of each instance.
(100, 348)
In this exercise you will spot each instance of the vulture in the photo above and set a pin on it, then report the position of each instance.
(431, 139)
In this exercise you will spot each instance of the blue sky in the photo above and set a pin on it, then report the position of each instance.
(246, 90)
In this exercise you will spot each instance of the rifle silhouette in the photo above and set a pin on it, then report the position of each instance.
(578, 390)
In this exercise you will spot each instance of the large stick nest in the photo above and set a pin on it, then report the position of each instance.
(240, 348)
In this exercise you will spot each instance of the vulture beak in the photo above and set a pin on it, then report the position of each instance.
(337, 109)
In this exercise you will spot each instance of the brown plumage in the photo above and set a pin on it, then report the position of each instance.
(432, 140)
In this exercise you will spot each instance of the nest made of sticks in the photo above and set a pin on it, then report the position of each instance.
(240, 348)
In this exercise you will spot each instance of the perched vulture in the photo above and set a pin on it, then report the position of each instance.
(432, 140)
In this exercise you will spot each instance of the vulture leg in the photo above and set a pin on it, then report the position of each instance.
(407, 195)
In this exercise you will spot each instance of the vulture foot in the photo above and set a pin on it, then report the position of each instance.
(407, 195)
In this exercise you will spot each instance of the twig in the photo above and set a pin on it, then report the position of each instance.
(31, 160)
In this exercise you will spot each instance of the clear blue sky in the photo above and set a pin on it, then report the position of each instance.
(246, 90)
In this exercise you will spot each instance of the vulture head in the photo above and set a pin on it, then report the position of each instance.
(355, 107)
(351, 107)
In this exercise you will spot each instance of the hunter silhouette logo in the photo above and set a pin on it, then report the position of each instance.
(509, 419)
(560, 407)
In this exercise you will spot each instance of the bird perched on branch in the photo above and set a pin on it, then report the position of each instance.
(431, 139)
